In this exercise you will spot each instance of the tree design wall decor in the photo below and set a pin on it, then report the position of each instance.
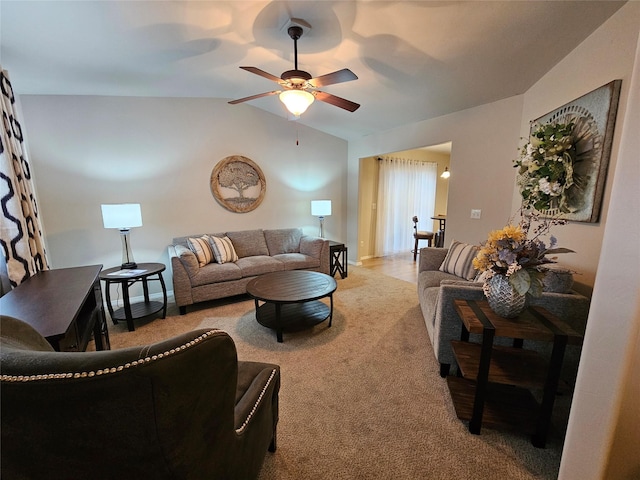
(238, 184)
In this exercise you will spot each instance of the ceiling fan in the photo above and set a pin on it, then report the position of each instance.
(299, 89)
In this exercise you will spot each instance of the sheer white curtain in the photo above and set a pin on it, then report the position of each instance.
(405, 188)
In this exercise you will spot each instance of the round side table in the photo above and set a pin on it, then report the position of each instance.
(126, 278)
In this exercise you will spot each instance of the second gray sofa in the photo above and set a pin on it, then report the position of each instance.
(437, 290)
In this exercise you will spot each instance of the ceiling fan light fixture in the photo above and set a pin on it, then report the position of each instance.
(296, 101)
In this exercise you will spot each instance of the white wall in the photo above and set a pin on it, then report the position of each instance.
(160, 152)
(603, 435)
(605, 56)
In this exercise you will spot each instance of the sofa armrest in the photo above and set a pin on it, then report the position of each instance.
(573, 308)
(431, 258)
(447, 325)
(257, 389)
(316, 247)
(181, 279)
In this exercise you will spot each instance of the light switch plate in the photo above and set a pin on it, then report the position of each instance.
(476, 213)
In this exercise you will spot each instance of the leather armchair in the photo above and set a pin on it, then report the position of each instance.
(183, 408)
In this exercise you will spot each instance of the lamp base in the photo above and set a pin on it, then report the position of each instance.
(128, 262)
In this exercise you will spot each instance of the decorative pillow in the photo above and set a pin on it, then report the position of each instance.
(202, 249)
(459, 260)
(223, 250)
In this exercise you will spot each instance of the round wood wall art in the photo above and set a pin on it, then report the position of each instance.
(238, 184)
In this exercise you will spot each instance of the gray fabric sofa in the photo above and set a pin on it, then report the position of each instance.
(437, 290)
(259, 252)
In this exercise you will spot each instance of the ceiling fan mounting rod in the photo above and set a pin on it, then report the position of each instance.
(295, 33)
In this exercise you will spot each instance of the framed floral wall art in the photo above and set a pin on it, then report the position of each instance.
(562, 169)
(238, 184)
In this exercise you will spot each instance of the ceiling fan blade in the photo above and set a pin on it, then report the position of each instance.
(344, 75)
(337, 101)
(262, 73)
(253, 97)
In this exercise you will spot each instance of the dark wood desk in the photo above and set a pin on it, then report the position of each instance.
(495, 383)
(63, 305)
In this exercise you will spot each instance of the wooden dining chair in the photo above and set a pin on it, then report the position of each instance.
(420, 235)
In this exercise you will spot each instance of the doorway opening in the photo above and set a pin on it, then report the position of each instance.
(369, 200)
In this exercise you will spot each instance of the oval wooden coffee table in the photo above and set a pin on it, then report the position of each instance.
(292, 299)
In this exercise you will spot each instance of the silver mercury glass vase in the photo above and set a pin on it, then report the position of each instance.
(503, 299)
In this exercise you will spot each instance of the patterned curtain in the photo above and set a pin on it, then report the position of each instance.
(20, 230)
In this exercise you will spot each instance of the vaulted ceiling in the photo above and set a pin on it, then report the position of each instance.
(415, 59)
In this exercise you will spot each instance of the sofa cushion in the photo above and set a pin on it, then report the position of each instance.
(432, 278)
(223, 250)
(557, 279)
(258, 264)
(286, 240)
(297, 261)
(459, 260)
(202, 249)
(216, 272)
(248, 243)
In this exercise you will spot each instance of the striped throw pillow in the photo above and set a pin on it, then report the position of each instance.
(202, 249)
(223, 250)
(459, 260)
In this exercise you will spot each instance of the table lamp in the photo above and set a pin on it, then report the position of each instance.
(320, 209)
(123, 216)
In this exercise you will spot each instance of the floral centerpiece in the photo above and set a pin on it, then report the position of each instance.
(546, 168)
(512, 261)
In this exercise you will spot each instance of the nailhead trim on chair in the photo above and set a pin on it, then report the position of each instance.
(255, 405)
(105, 371)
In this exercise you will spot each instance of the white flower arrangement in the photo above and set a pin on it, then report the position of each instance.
(546, 168)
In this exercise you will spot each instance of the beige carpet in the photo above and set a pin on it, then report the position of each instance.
(362, 399)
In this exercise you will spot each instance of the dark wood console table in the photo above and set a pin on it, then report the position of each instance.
(63, 305)
(495, 383)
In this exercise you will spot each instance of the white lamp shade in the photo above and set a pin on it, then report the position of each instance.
(320, 208)
(122, 215)
(296, 101)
